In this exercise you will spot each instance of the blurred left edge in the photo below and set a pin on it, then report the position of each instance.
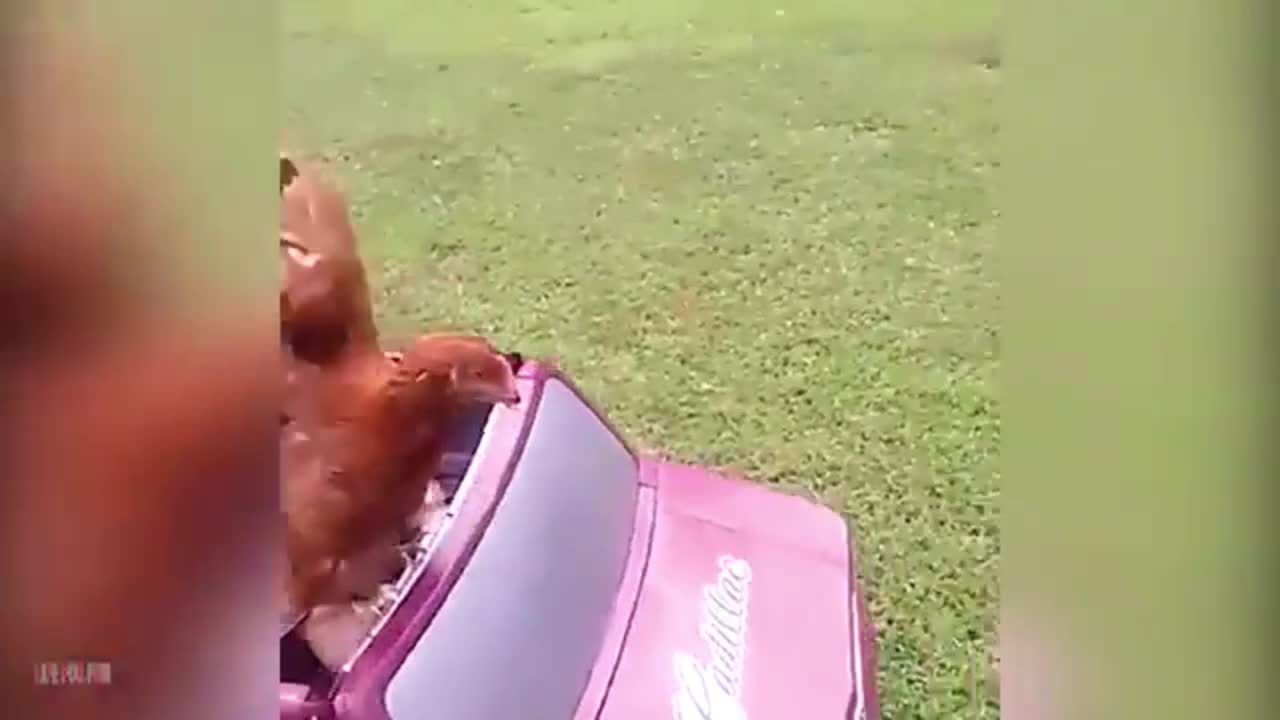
(139, 548)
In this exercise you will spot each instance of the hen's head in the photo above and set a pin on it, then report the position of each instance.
(474, 370)
(313, 317)
(484, 378)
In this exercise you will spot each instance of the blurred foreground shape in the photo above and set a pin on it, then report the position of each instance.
(138, 501)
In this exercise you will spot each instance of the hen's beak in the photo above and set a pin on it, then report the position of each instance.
(492, 394)
(509, 397)
(505, 393)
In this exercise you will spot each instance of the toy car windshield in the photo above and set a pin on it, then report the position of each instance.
(518, 580)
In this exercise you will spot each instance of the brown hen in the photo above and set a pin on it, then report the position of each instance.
(357, 469)
(325, 306)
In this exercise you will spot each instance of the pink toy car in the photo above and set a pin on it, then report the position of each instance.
(571, 579)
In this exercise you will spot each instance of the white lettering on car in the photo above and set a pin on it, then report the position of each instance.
(713, 691)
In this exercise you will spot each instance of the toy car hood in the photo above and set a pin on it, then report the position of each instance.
(745, 607)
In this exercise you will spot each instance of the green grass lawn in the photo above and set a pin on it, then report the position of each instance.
(761, 235)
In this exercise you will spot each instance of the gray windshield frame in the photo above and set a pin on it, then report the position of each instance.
(520, 631)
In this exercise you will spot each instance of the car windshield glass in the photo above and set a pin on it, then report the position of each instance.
(518, 634)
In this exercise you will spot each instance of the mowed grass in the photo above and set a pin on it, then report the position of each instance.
(760, 235)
